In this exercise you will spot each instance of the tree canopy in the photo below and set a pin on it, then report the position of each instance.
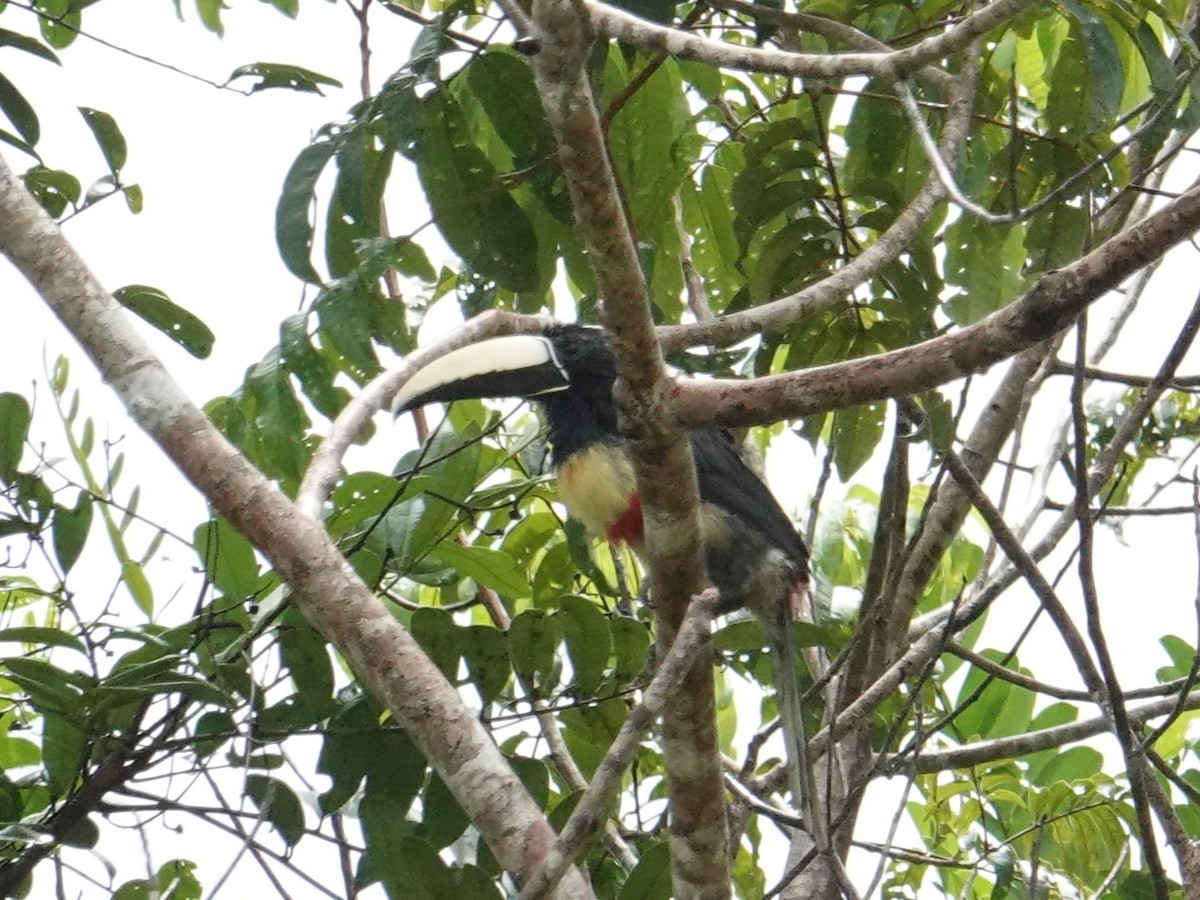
(897, 239)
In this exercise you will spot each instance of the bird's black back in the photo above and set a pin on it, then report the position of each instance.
(586, 414)
(727, 482)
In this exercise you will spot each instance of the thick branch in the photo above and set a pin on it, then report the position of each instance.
(665, 472)
(897, 64)
(330, 595)
(1050, 306)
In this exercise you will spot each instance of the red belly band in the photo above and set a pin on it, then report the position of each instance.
(628, 528)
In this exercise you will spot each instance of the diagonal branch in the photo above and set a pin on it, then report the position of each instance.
(593, 807)
(328, 592)
(1050, 306)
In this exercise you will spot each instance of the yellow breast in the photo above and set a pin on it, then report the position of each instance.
(595, 484)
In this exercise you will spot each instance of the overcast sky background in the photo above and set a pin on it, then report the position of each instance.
(211, 163)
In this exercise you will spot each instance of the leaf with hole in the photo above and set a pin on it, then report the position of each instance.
(181, 326)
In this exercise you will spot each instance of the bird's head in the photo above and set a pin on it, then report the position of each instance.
(568, 369)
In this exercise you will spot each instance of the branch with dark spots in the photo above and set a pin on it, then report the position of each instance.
(664, 469)
(592, 809)
(1049, 307)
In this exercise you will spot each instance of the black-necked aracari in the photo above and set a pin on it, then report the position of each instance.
(755, 557)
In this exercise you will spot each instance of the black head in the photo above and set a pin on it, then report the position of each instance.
(584, 413)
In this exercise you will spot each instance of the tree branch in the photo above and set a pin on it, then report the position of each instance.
(328, 593)
(593, 807)
(665, 472)
(1045, 310)
(889, 66)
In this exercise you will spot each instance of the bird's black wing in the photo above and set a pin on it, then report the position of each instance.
(727, 482)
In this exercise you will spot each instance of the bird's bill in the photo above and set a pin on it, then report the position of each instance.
(519, 365)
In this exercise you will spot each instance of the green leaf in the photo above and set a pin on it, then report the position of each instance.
(15, 416)
(155, 307)
(435, 631)
(485, 566)
(210, 15)
(48, 686)
(651, 877)
(63, 746)
(283, 75)
(83, 834)
(987, 262)
(345, 751)
(53, 188)
(37, 636)
(589, 642)
(485, 652)
(60, 26)
(442, 818)
(279, 805)
(227, 557)
(176, 880)
(16, 752)
(69, 529)
(980, 717)
(28, 44)
(385, 828)
(472, 207)
(503, 84)
(1107, 70)
(108, 135)
(857, 431)
(532, 642)
(213, 730)
(138, 585)
(305, 655)
(313, 370)
(1071, 765)
(14, 105)
(631, 645)
(293, 213)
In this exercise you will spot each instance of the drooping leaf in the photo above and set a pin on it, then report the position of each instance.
(19, 111)
(471, 205)
(15, 417)
(108, 136)
(28, 44)
(293, 212)
(485, 652)
(69, 529)
(63, 745)
(313, 370)
(138, 585)
(857, 431)
(181, 326)
(589, 642)
(279, 805)
(227, 557)
(283, 75)
(532, 641)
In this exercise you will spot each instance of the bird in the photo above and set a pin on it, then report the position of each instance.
(755, 558)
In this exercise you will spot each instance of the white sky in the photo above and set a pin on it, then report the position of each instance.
(211, 164)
